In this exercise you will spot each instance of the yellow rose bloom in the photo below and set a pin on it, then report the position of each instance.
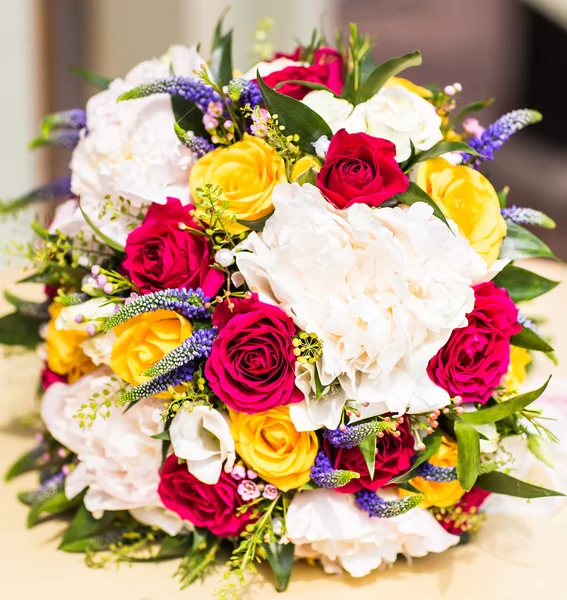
(409, 85)
(145, 339)
(468, 198)
(64, 353)
(303, 165)
(439, 494)
(269, 443)
(520, 358)
(247, 172)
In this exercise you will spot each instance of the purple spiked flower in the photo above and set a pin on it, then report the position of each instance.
(375, 506)
(527, 216)
(431, 472)
(325, 476)
(354, 434)
(54, 190)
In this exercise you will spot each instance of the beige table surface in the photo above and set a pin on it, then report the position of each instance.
(512, 558)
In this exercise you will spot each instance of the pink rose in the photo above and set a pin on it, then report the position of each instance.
(476, 357)
(252, 364)
(210, 506)
(159, 255)
(327, 69)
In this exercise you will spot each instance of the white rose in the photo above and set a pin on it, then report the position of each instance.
(268, 67)
(129, 150)
(383, 289)
(202, 437)
(91, 311)
(99, 347)
(165, 519)
(398, 115)
(119, 461)
(329, 526)
(335, 111)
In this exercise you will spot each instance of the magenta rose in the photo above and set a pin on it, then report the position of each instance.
(252, 364)
(360, 168)
(464, 517)
(210, 506)
(159, 255)
(326, 69)
(394, 454)
(476, 357)
(49, 377)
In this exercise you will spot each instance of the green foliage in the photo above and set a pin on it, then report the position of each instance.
(188, 116)
(415, 194)
(356, 60)
(198, 559)
(37, 310)
(497, 482)
(521, 243)
(83, 528)
(296, 117)
(28, 462)
(56, 504)
(503, 196)
(280, 557)
(376, 80)
(443, 148)
(100, 82)
(368, 449)
(467, 111)
(432, 444)
(530, 340)
(108, 241)
(256, 224)
(221, 60)
(468, 454)
(522, 284)
(17, 329)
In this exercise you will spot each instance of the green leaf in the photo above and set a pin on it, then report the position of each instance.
(521, 243)
(408, 487)
(221, 60)
(309, 176)
(468, 457)
(188, 116)
(415, 194)
(55, 275)
(17, 329)
(501, 483)
(503, 196)
(108, 241)
(504, 409)
(296, 117)
(539, 447)
(522, 284)
(100, 82)
(164, 435)
(319, 387)
(444, 148)
(408, 164)
(530, 340)
(256, 224)
(55, 505)
(37, 310)
(312, 85)
(174, 546)
(280, 557)
(27, 462)
(83, 527)
(432, 444)
(368, 449)
(217, 34)
(382, 73)
(466, 111)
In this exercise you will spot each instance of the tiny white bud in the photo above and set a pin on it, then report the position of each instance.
(224, 257)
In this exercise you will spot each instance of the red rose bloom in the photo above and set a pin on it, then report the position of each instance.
(252, 364)
(476, 357)
(362, 169)
(462, 517)
(49, 377)
(210, 506)
(327, 69)
(393, 457)
(159, 255)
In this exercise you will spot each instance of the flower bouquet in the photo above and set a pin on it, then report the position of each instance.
(281, 315)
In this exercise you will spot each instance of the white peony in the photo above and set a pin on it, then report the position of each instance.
(99, 347)
(92, 311)
(130, 151)
(383, 289)
(268, 67)
(202, 437)
(335, 111)
(119, 461)
(165, 519)
(329, 526)
(398, 115)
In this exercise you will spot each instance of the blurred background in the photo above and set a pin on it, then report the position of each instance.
(513, 50)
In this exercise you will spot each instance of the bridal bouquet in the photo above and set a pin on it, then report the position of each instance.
(281, 317)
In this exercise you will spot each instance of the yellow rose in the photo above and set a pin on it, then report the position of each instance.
(439, 494)
(409, 85)
(64, 353)
(143, 340)
(519, 360)
(303, 165)
(269, 443)
(247, 173)
(468, 198)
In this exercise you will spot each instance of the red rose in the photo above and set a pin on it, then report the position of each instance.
(252, 364)
(159, 255)
(327, 69)
(394, 454)
(476, 357)
(49, 377)
(210, 506)
(362, 169)
(462, 517)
